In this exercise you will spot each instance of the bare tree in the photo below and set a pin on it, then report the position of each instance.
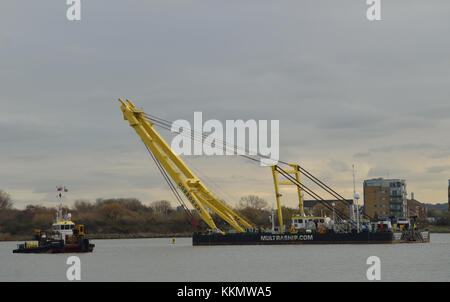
(83, 206)
(253, 201)
(113, 211)
(5, 200)
(161, 206)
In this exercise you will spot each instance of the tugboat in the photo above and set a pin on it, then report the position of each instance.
(65, 236)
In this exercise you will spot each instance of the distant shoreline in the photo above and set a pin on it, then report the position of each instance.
(8, 237)
(138, 236)
(438, 229)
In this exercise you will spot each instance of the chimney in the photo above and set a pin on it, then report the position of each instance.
(412, 195)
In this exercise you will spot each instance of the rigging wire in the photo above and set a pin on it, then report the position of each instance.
(311, 193)
(171, 186)
(210, 182)
(166, 124)
(284, 173)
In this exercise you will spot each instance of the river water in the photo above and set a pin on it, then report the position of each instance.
(159, 260)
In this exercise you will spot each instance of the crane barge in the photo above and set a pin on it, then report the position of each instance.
(304, 229)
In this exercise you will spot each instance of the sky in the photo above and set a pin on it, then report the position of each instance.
(346, 91)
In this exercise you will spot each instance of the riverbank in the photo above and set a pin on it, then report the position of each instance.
(9, 237)
(138, 235)
(438, 228)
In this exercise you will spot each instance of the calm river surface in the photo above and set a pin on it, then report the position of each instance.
(158, 260)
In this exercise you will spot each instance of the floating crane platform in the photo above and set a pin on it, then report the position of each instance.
(330, 237)
(342, 229)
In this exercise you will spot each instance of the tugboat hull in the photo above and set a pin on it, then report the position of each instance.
(56, 247)
(199, 239)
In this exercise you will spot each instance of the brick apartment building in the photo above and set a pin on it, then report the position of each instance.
(385, 198)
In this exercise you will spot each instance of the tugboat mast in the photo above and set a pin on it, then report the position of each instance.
(59, 215)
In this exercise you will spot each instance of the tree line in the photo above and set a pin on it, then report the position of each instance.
(124, 216)
(130, 216)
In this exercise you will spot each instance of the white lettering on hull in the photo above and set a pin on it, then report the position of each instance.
(286, 237)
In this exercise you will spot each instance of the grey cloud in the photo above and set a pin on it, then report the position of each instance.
(13, 132)
(343, 88)
(390, 171)
(361, 154)
(438, 169)
(441, 153)
(404, 147)
(340, 166)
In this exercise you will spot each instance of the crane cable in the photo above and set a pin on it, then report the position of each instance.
(311, 193)
(172, 187)
(167, 125)
(289, 177)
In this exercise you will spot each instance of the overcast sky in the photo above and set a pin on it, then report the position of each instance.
(345, 90)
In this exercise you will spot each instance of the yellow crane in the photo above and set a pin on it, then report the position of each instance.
(192, 187)
(304, 229)
(202, 199)
(296, 174)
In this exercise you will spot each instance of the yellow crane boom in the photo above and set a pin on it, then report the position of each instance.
(296, 173)
(192, 187)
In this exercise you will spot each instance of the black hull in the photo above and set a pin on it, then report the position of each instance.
(199, 239)
(56, 248)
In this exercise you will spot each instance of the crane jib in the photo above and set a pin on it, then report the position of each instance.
(189, 197)
(203, 200)
(172, 166)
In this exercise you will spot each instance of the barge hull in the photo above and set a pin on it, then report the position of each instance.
(47, 250)
(199, 239)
